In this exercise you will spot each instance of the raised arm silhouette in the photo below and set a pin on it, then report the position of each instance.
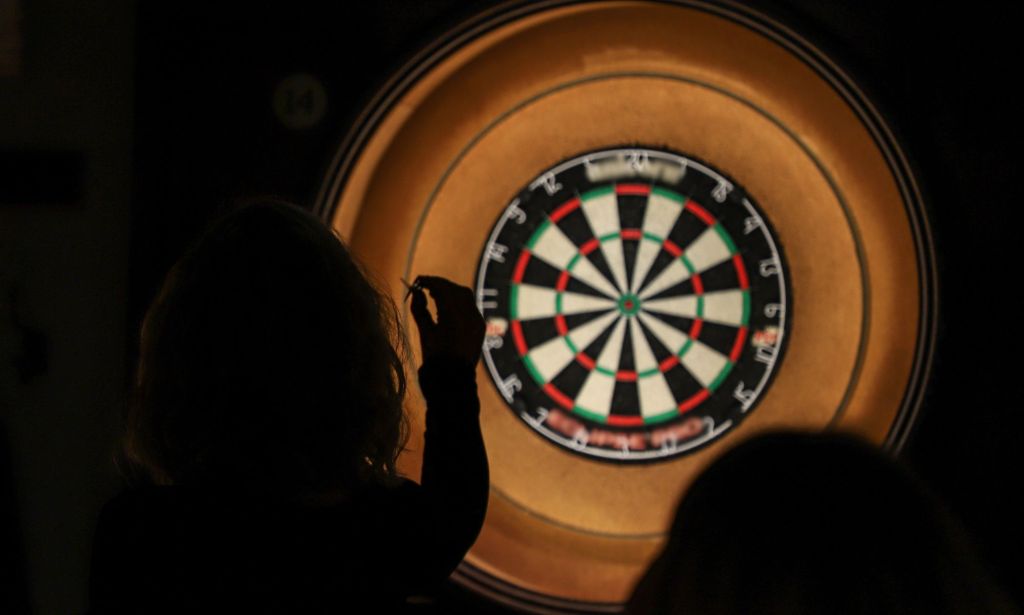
(264, 428)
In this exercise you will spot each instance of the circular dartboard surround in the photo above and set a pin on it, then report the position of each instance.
(509, 105)
(645, 298)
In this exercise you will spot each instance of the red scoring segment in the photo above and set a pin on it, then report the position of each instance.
(586, 361)
(590, 246)
(698, 285)
(565, 209)
(635, 189)
(558, 396)
(563, 282)
(701, 213)
(625, 421)
(560, 324)
(517, 335)
(737, 347)
(694, 401)
(741, 271)
(517, 274)
(672, 248)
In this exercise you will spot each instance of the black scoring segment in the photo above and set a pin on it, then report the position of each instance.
(575, 227)
(687, 229)
(625, 399)
(629, 250)
(657, 347)
(576, 286)
(539, 273)
(597, 258)
(681, 289)
(720, 277)
(631, 210)
(597, 346)
(573, 321)
(627, 362)
(682, 383)
(570, 380)
(538, 331)
(717, 336)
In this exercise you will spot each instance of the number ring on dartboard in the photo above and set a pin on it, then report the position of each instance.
(636, 304)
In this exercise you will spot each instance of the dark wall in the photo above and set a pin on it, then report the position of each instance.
(207, 127)
(170, 111)
(66, 112)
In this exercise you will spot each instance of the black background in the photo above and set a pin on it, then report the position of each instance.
(204, 133)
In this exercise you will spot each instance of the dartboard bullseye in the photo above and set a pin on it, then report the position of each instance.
(636, 304)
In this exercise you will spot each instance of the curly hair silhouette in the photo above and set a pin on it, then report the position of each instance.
(268, 361)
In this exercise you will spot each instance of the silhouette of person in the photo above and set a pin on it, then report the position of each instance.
(265, 424)
(795, 524)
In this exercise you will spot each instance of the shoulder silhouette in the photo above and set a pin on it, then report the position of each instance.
(795, 524)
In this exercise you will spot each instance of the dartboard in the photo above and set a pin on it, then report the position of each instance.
(684, 226)
(635, 302)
